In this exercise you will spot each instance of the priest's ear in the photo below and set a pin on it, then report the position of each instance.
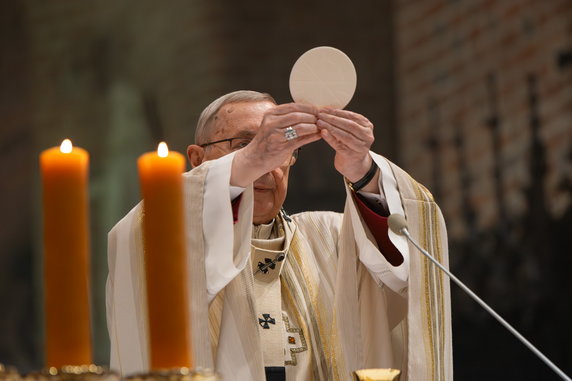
(196, 155)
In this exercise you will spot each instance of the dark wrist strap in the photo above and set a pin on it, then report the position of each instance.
(364, 180)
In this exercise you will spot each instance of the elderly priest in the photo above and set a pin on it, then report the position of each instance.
(312, 296)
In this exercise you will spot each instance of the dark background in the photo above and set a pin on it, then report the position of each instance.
(472, 97)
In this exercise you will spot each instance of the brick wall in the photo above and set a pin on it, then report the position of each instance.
(447, 52)
(485, 121)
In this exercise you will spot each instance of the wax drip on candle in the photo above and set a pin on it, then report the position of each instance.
(66, 146)
(163, 150)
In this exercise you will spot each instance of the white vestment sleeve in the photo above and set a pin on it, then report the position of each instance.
(226, 250)
(235, 192)
(126, 318)
(227, 244)
(395, 277)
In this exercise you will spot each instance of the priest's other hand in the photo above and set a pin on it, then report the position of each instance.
(270, 148)
(351, 136)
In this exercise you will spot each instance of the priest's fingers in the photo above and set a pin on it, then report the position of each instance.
(272, 121)
(272, 127)
(351, 126)
(351, 163)
(350, 141)
(294, 107)
(307, 139)
(336, 144)
(302, 129)
(346, 114)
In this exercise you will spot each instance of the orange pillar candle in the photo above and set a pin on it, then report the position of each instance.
(64, 172)
(165, 258)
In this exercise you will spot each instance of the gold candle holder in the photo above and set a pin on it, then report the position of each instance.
(177, 374)
(73, 373)
(9, 373)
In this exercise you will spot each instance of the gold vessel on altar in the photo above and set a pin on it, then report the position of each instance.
(179, 374)
(377, 375)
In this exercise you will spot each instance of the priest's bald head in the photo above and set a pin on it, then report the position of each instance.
(229, 124)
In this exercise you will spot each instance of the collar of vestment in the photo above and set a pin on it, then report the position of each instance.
(270, 244)
(265, 231)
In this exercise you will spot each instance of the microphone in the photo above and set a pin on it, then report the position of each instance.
(398, 225)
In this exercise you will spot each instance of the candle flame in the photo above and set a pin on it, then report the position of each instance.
(66, 146)
(163, 150)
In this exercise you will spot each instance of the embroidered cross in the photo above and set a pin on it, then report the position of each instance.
(264, 266)
(270, 263)
(267, 319)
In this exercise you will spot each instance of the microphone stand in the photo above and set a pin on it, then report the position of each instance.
(399, 226)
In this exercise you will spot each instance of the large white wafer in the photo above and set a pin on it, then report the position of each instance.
(323, 76)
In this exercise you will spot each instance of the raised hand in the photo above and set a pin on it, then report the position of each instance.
(351, 136)
(272, 147)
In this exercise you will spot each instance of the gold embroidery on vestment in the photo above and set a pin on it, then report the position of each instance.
(293, 351)
(440, 296)
(315, 305)
(428, 334)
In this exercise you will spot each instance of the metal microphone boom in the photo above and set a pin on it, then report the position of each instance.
(398, 225)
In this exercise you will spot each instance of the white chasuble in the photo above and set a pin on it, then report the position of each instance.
(342, 305)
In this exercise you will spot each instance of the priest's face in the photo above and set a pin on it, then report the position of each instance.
(243, 120)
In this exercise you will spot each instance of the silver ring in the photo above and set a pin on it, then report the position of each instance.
(290, 133)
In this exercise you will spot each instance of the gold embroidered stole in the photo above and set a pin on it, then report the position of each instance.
(429, 315)
(300, 288)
